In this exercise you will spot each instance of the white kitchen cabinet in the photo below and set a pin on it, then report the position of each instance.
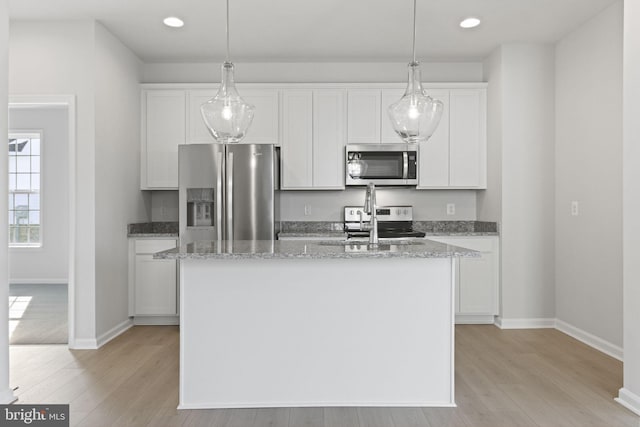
(363, 116)
(313, 139)
(198, 132)
(153, 291)
(467, 138)
(478, 279)
(387, 134)
(164, 128)
(329, 138)
(456, 155)
(264, 128)
(433, 169)
(297, 139)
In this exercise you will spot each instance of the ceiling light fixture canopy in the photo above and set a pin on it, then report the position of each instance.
(227, 115)
(416, 115)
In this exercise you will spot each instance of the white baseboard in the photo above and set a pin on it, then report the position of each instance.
(298, 404)
(83, 344)
(591, 340)
(535, 323)
(114, 332)
(93, 344)
(38, 281)
(475, 319)
(156, 320)
(7, 397)
(629, 400)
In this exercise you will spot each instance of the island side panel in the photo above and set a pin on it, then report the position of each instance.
(316, 332)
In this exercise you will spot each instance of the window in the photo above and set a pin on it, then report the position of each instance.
(25, 228)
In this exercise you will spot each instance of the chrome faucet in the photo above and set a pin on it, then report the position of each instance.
(370, 209)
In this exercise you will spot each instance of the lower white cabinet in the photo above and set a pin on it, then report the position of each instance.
(478, 279)
(153, 290)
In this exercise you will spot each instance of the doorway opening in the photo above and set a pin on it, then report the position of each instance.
(41, 227)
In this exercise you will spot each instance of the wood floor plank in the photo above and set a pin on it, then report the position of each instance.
(511, 378)
(408, 417)
(272, 417)
(375, 417)
(341, 417)
(306, 417)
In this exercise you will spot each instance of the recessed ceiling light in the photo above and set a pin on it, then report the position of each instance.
(173, 22)
(470, 22)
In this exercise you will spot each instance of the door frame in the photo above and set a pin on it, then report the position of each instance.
(68, 101)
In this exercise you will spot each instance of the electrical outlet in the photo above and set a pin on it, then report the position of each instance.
(451, 208)
(307, 210)
(575, 208)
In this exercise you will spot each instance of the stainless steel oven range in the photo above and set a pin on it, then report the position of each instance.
(394, 222)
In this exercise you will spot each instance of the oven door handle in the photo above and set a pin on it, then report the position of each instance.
(405, 165)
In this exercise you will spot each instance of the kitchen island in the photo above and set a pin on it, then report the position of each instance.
(307, 323)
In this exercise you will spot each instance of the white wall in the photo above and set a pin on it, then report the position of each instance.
(490, 200)
(527, 197)
(58, 58)
(6, 393)
(428, 205)
(50, 263)
(119, 202)
(630, 393)
(589, 170)
(252, 72)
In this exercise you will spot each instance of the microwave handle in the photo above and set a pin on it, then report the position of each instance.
(405, 165)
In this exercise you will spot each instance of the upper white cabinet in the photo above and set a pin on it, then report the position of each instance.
(198, 132)
(434, 153)
(263, 130)
(163, 129)
(363, 116)
(265, 126)
(467, 138)
(297, 139)
(313, 123)
(456, 155)
(313, 139)
(389, 96)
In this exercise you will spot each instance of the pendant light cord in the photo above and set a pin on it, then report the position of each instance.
(414, 31)
(227, 58)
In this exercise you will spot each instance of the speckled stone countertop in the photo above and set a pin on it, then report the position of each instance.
(301, 229)
(457, 228)
(153, 229)
(287, 249)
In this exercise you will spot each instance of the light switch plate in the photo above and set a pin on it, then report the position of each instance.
(451, 208)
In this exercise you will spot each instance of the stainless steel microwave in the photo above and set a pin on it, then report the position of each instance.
(381, 164)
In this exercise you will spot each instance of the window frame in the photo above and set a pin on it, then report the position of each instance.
(31, 246)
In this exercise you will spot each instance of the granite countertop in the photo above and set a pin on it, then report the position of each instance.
(288, 249)
(153, 229)
(301, 229)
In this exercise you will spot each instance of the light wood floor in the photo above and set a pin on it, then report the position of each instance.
(510, 378)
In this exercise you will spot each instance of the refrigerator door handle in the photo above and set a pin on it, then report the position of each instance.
(219, 212)
(230, 197)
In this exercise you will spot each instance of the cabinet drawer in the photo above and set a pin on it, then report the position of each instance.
(152, 245)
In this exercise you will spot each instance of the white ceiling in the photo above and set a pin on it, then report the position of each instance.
(319, 30)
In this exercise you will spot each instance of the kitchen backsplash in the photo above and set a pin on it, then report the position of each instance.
(428, 205)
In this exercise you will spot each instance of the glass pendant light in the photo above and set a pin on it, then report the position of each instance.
(416, 115)
(227, 115)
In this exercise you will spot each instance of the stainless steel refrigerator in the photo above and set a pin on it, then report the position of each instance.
(227, 192)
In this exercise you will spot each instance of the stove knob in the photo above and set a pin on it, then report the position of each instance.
(351, 212)
(406, 211)
(398, 211)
